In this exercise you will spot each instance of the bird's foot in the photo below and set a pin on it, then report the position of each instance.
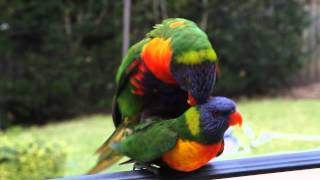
(146, 166)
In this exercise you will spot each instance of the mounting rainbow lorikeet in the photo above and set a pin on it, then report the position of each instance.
(161, 76)
(185, 143)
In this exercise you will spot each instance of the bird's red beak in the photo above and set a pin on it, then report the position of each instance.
(235, 119)
(191, 101)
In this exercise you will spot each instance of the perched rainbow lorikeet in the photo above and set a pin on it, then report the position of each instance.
(173, 67)
(185, 143)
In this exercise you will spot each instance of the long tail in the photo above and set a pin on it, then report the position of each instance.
(107, 156)
(115, 137)
(105, 161)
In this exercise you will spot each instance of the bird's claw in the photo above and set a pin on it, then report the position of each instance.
(149, 167)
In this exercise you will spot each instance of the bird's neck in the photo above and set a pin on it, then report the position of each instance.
(189, 126)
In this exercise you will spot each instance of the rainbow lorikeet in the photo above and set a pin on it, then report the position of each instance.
(173, 67)
(185, 143)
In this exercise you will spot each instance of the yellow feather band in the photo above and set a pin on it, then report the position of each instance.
(192, 116)
(197, 57)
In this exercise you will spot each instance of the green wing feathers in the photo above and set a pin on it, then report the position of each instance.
(133, 53)
(126, 104)
(149, 144)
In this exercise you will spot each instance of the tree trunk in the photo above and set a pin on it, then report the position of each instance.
(126, 26)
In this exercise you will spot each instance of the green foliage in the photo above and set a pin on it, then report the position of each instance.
(58, 58)
(26, 157)
(259, 44)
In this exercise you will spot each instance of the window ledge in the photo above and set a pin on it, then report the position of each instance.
(227, 168)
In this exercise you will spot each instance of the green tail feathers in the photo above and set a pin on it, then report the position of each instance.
(107, 156)
(106, 161)
(115, 137)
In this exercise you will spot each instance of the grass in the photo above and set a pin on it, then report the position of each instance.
(289, 117)
(84, 135)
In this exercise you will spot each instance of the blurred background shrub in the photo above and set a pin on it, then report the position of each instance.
(27, 157)
(58, 58)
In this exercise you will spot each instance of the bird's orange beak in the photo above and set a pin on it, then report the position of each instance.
(235, 119)
(191, 101)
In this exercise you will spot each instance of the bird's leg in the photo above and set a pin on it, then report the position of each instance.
(147, 166)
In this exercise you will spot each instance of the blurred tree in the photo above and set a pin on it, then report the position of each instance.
(58, 58)
(259, 44)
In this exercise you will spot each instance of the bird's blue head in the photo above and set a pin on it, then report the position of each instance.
(216, 115)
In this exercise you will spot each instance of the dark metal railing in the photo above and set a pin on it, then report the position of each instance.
(225, 168)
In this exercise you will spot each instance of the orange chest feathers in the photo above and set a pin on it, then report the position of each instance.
(157, 55)
(190, 155)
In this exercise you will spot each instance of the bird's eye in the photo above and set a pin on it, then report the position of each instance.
(232, 111)
(216, 113)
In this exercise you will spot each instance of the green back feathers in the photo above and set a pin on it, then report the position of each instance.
(189, 43)
(166, 30)
(148, 143)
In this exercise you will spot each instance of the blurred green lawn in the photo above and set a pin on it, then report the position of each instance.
(84, 135)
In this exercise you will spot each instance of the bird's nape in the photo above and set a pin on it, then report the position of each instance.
(197, 79)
